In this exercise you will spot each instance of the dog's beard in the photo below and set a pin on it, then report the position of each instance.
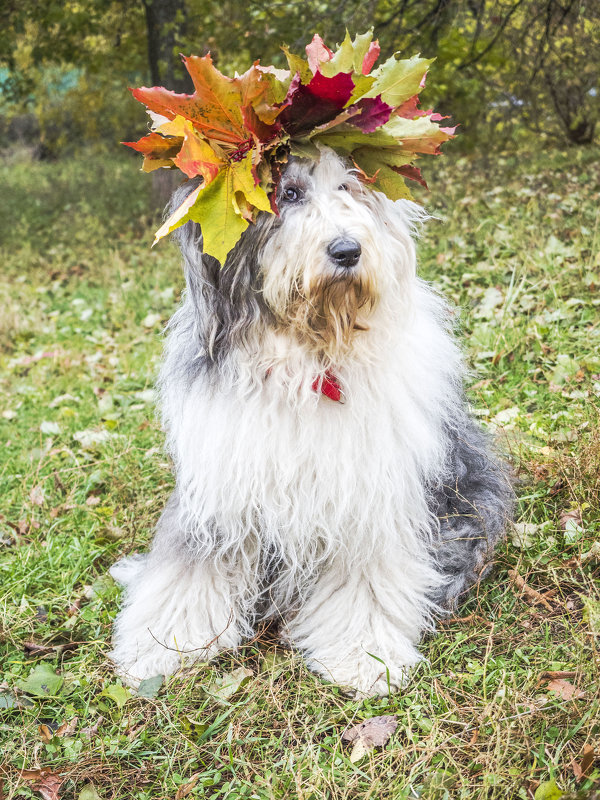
(328, 312)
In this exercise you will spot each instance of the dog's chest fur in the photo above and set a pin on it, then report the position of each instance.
(269, 467)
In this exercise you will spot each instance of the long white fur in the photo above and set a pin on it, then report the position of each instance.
(335, 493)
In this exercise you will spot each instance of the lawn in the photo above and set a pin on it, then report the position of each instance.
(508, 704)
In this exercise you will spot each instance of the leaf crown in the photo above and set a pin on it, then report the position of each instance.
(237, 133)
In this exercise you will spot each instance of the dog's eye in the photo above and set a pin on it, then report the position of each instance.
(292, 194)
(343, 187)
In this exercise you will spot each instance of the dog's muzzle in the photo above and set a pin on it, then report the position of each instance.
(344, 252)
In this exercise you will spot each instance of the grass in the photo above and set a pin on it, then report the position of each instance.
(516, 247)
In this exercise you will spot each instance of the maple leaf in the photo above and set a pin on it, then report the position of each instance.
(156, 146)
(312, 104)
(412, 173)
(44, 781)
(396, 81)
(373, 114)
(223, 207)
(352, 56)
(197, 157)
(215, 107)
(419, 135)
(298, 66)
(246, 182)
(221, 225)
(180, 216)
(317, 52)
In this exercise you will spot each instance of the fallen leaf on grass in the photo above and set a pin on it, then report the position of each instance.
(65, 729)
(531, 594)
(194, 728)
(574, 515)
(49, 428)
(89, 792)
(572, 524)
(10, 700)
(581, 769)
(44, 781)
(593, 554)
(149, 687)
(565, 689)
(89, 439)
(223, 687)
(524, 534)
(42, 649)
(369, 734)
(186, 788)
(92, 730)
(548, 791)
(117, 693)
(42, 681)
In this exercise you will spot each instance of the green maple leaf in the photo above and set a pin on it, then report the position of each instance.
(350, 55)
(221, 225)
(362, 85)
(391, 183)
(346, 138)
(396, 81)
(419, 135)
(244, 181)
(297, 64)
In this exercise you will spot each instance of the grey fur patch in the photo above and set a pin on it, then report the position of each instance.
(222, 305)
(473, 504)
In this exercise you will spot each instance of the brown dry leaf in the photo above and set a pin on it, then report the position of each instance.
(369, 734)
(44, 781)
(574, 514)
(531, 594)
(565, 689)
(91, 731)
(186, 788)
(587, 760)
(67, 728)
(45, 734)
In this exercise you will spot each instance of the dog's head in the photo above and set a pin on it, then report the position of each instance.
(337, 252)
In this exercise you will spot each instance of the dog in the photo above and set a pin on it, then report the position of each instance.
(328, 474)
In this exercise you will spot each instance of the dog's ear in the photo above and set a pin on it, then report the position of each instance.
(227, 301)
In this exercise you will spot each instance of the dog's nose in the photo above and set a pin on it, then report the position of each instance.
(344, 252)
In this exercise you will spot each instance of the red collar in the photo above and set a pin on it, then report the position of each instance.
(329, 385)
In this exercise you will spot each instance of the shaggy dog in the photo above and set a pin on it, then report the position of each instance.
(328, 473)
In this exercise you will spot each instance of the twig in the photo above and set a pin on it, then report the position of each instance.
(549, 675)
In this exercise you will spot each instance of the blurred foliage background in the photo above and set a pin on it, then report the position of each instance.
(506, 70)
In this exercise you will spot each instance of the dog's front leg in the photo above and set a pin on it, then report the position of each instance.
(175, 612)
(359, 627)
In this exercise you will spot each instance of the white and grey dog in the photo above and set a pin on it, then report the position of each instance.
(328, 473)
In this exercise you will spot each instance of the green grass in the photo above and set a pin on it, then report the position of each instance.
(516, 247)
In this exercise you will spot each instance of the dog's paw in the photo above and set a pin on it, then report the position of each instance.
(134, 667)
(362, 675)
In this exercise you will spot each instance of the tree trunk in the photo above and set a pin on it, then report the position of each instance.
(165, 26)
